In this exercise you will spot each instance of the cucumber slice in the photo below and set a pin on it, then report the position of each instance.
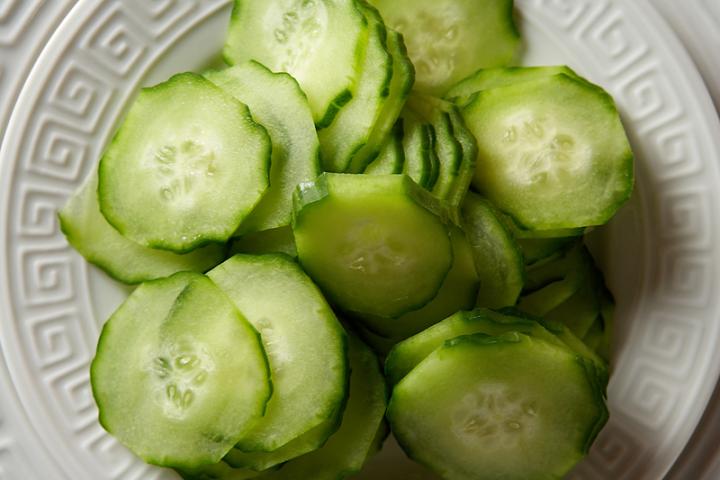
(360, 432)
(87, 230)
(537, 249)
(307, 442)
(458, 292)
(376, 245)
(293, 319)
(353, 124)
(580, 311)
(410, 352)
(277, 103)
(217, 471)
(548, 145)
(511, 406)
(321, 43)
(179, 375)
(402, 81)
(456, 196)
(551, 283)
(488, 78)
(185, 168)
(450, 39)
(418, 148)
(497, 258)
(392, 157)
(277, 240)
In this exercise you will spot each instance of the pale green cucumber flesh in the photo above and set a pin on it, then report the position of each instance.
(448, 40)
(458, 292)
(293, 318)
(179, 375)
(391, 158)
(498, 407)
(376, 244)
(187, 165)
(546, 146)
(277, 103)
(320, 43)
(89, 233)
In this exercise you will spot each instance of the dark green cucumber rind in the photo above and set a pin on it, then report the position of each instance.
(184, 289)
(258, 285)
(456, 195)
(312, 194)
(339, 147)
(487, 78)
(417, 145)
(391, 158)
(343, 96)
(449, 152)
(134, 263)
(593, 420)
(458, 292)
(534, 216)
(434, 159)
(497, 256)
(184, 246)
(362, 429)
(400, 86)
(276, 240)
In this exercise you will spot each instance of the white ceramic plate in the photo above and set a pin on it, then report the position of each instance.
(661, 254)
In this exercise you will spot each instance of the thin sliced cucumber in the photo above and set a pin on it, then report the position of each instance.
(179, 375)
(537, 249)
(418, 148)
(351, 128)
(488, 78)
(392, 157)
(599, 336)
(349, 448)
(321, 43)
(450, 39)
(185, 168)
(498, 260)
(580, 311)
(376, 244)
(124, 260)
(458, 292)
(408, 353)
(545, 147)
(277, 103)
(307, 442)
(511, 406)
(277, 240)
(293, 318)
(456, 196)
(400, 85)
(551, 283)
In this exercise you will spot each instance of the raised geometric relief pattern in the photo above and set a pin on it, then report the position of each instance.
(122, 37)
(93, 71)
(682, 251)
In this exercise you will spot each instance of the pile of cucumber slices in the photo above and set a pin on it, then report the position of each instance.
(362, 182)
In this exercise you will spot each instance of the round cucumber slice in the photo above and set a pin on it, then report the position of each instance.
(449, 39)
(552, 152)
(301, 337)
(277, 103)
(321, 43)
(510, 407)
(179, 375)
(124, 260)
(347, 449)
(376, 245)
(185, 168)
